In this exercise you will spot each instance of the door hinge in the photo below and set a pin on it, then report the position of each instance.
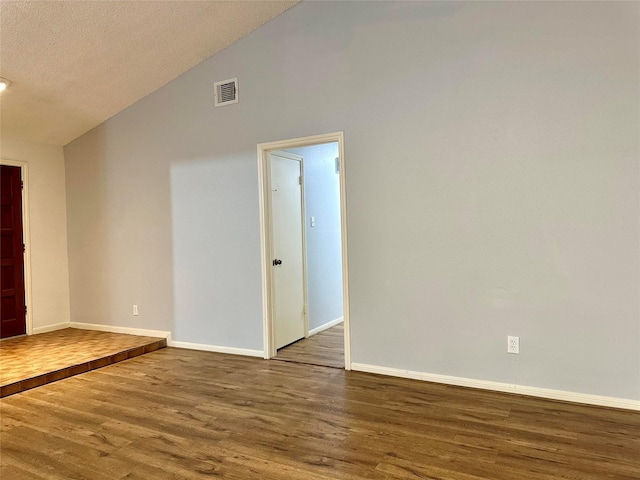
(24, 248)
(21, 185)
(300, 180)
(25, 309)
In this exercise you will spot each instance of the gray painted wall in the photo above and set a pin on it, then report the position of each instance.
(492, 166)
(324, 255)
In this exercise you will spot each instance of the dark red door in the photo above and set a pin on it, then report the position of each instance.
(12, 315)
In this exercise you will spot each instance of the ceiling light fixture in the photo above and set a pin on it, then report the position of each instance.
(4, 83)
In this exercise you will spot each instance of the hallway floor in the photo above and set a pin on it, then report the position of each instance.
(325, 349)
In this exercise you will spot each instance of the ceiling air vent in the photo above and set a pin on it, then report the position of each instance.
(226, 92)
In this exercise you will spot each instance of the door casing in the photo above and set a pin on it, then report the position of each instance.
(264, 176)
(26, 235)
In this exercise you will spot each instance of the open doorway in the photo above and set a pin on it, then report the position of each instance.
(303, 230)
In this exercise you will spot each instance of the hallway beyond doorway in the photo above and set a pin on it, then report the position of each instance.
(325, 349)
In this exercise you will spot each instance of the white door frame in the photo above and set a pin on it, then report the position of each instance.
(26, 237)
(265, 235)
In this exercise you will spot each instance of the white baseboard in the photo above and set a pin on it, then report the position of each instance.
(217, 349)
(503, 387)
(128, 330)
(150, 333)
(50, 328)
(326, 326)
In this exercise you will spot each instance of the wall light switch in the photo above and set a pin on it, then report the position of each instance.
(313, 221)
(135, 311)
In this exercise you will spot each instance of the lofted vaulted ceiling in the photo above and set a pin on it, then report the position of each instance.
(73, 64)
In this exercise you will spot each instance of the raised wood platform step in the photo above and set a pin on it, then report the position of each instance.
(35, 360)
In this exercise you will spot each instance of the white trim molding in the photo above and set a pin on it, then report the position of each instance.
(151, 333)
(265, 236)
(547, 393)
(126, 330)
(51, 328)
(326, 326)
(217, 349)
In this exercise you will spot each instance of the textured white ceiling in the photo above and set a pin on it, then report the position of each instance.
(74, 64)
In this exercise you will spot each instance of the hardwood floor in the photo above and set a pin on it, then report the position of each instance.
(31, 361)
(181, 414)
(325, 348)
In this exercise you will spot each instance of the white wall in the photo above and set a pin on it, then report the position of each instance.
(324, 247)
(48, 228)
(492, 168)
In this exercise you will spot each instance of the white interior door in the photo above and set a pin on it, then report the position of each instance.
(288, 248)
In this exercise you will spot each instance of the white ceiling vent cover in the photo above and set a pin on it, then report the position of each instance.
(226, 92)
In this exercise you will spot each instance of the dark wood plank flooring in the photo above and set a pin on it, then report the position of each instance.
(325, 348)
(30, 361)
(182, 414)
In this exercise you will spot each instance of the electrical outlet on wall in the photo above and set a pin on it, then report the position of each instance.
(513, 344)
